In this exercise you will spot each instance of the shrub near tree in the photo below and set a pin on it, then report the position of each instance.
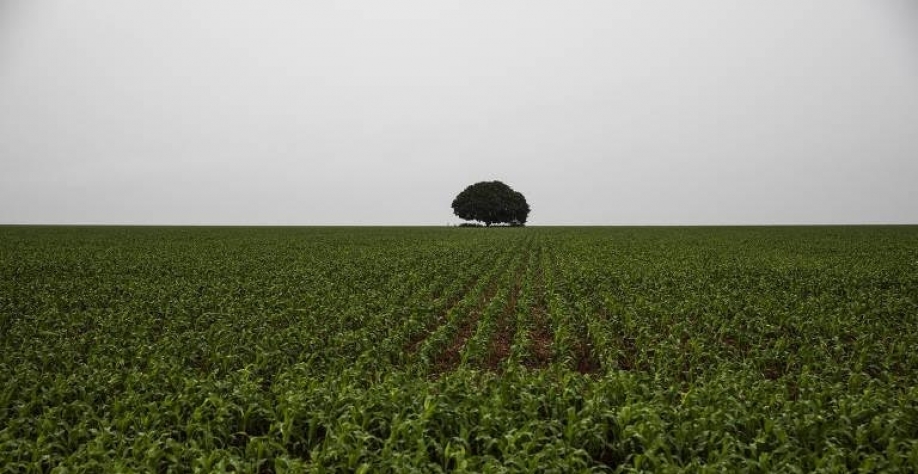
(491, 202)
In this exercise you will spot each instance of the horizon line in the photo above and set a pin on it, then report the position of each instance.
(453, 225)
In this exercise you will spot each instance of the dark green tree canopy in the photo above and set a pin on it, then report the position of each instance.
(491, 202)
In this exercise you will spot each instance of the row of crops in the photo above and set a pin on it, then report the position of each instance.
(444, 349)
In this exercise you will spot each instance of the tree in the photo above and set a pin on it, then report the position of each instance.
(491, 202)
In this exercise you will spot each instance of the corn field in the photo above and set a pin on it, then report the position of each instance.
(761, 349)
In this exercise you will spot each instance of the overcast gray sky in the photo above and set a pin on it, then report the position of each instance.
(607, 112)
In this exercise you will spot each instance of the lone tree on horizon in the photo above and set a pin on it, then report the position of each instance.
(491, 202)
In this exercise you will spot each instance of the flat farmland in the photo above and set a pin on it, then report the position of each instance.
(546, 349)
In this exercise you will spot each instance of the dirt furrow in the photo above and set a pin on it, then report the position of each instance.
(540, 335)
(500, 344)
(415, 342)
(449, 359)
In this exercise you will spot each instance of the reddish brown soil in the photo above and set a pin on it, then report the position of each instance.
(540, 336)
(449, 359)
(626, 360)
(586, 361)
(503, 337)
(415, 342)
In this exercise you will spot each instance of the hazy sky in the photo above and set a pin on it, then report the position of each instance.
(607, 112)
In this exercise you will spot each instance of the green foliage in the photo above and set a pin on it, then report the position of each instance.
(435, 350)
(491, 202)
